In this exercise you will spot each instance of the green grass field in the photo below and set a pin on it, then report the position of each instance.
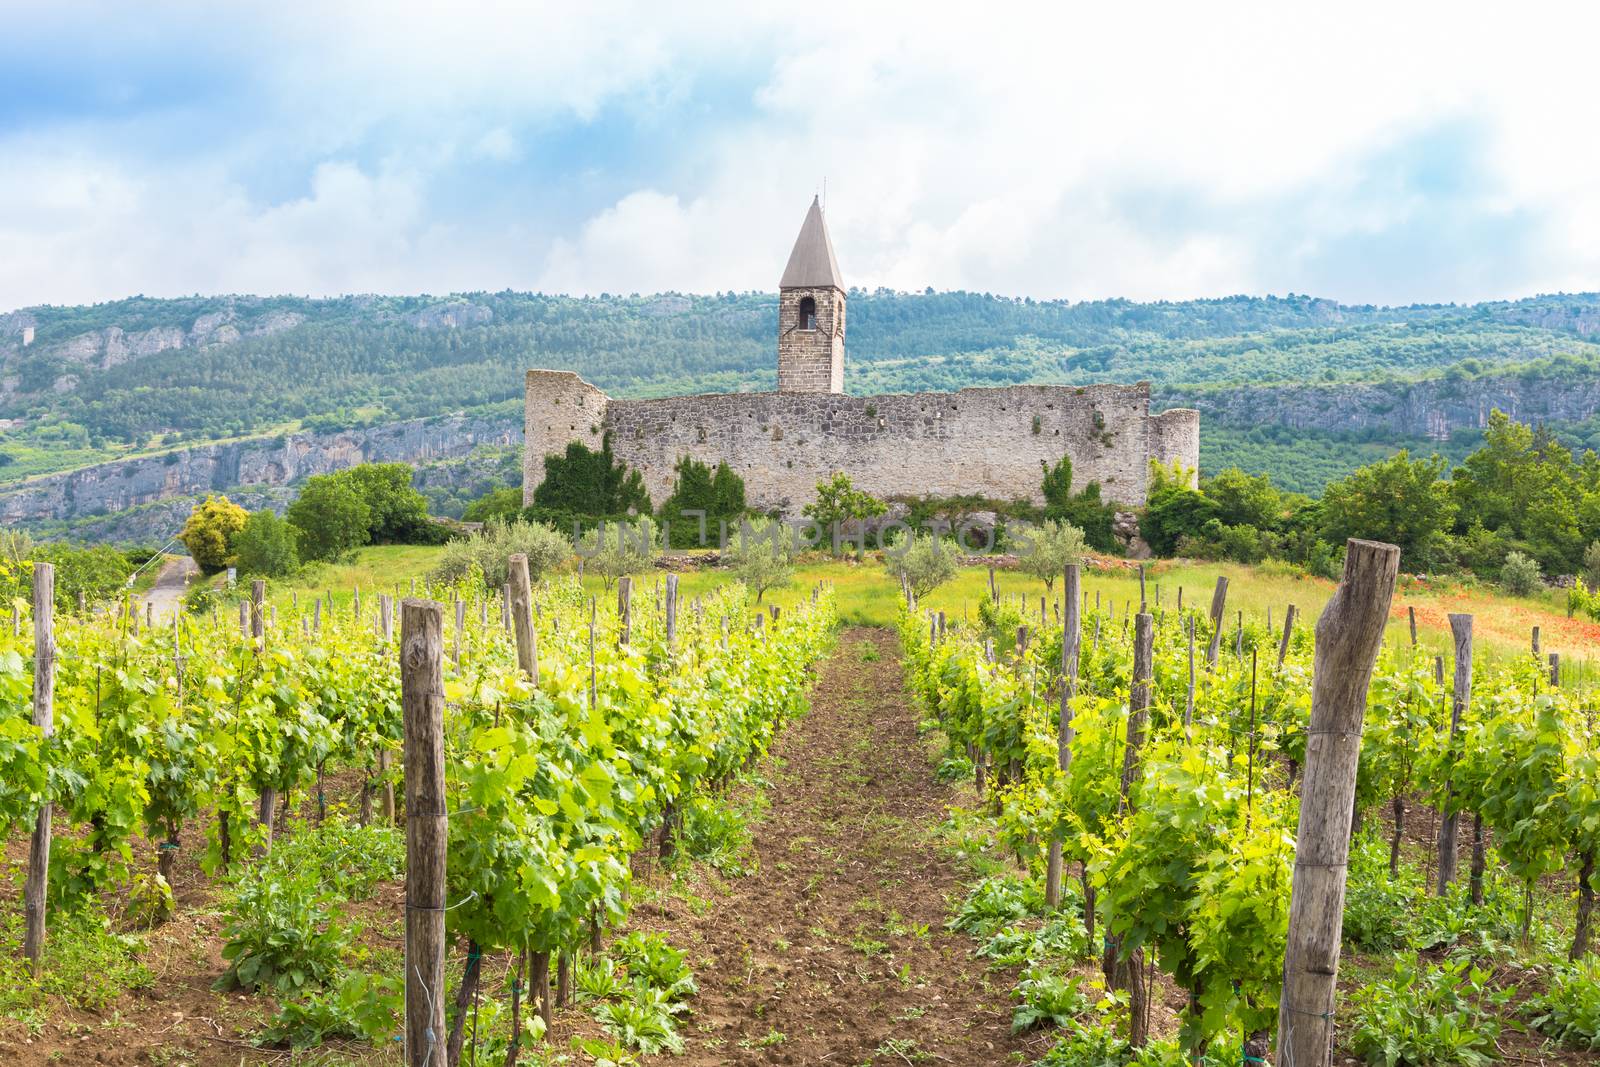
(869, 596)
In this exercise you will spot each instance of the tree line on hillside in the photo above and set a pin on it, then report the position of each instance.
(361, 360)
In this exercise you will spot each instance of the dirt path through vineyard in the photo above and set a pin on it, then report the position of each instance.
(834, 951)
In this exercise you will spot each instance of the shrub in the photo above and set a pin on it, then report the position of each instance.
(485, 552)
(1520, 575)
(209, 531)
(1423, 1015)
(1569, 1008)
(100, 572)
(396, 513)
(924, 565)
(331, 516)
(840, 508)
(585, 482)
(719, 494)
(266, 546)
(504, 504)
(1591, 565)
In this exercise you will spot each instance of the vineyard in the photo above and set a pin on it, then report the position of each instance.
(574, 739)
(1136, 805)
(1143, 772)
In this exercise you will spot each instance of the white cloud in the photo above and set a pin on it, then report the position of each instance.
(1154, 150)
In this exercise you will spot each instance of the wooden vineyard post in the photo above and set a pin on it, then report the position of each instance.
(624, 609)
(1071, 637)
(1461, 632)
(1219, 602)
(505, 607)
(1348, 636)
(267, 803)
(1288, 631)
(386, 631)
(258, 617)
(427, 826)
(1188, 692)
(1126, 969)
(522, 616)
(671, 612)
(1412, 612)
(461, 624)
(36, 887)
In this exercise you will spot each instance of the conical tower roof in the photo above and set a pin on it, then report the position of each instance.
(811, 264)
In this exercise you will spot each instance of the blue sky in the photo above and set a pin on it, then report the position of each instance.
(1369, 153)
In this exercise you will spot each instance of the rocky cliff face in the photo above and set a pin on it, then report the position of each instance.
(259, 463)
(91, 351)
(1433, 408)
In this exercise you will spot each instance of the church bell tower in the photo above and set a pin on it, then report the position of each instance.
(811, 313)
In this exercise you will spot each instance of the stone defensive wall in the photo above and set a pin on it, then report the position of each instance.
(988, 441)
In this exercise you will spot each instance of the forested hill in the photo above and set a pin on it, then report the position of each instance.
(80, 383)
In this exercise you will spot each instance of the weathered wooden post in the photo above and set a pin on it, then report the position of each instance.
(1219, 603)
(1288, 630)
(427, 826)
(1071, 636)
(522, 616)
(36, 888)
(1461, 632)
(1555, 670)
(1188, 693)
(1126, 969)
(1412, 612)
(1348, 636)
(624, 609)
(671, 611)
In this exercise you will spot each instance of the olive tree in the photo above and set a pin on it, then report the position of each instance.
(1045, 550)
(762, 555)
(923, 564)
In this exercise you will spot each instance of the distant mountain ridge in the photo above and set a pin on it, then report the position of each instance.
(117, 381)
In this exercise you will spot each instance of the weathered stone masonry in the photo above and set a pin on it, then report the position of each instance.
(988, 441)
(993, 442)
